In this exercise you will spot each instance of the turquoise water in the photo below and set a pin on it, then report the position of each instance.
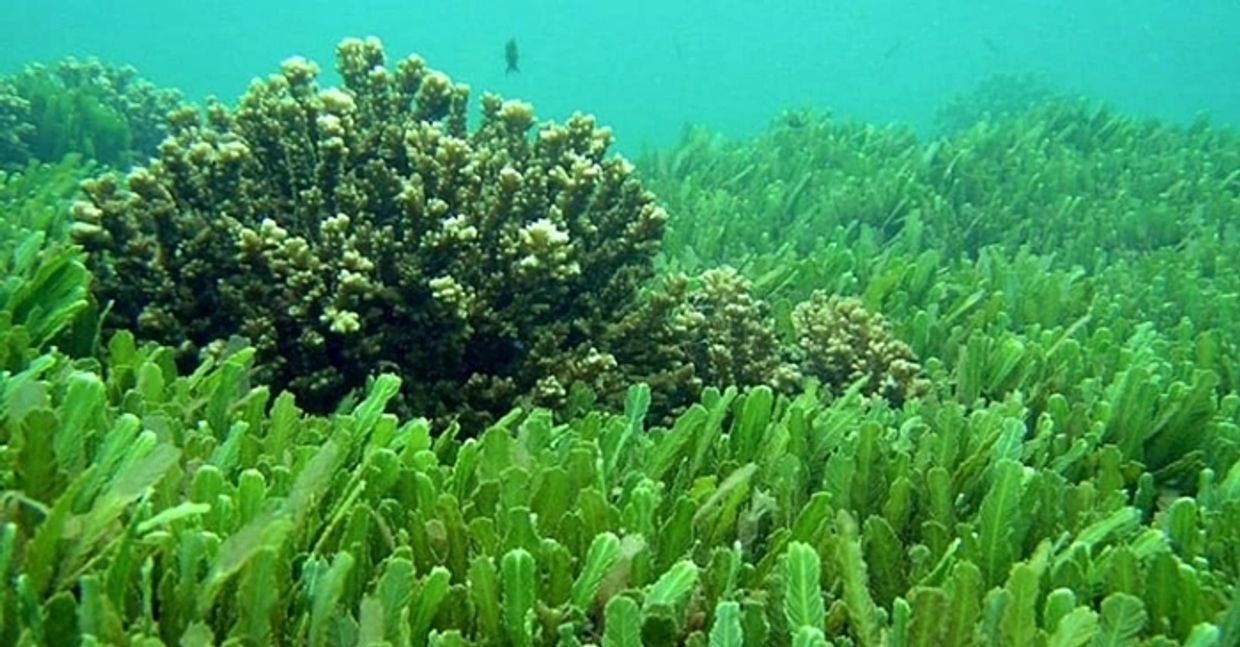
(648, 67)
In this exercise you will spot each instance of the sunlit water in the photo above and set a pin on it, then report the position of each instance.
(646, 67)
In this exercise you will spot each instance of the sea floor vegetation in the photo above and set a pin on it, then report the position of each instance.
(81, 106)
(332, 368)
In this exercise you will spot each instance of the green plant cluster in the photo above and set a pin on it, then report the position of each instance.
(1066, 216)
(1061, 469)
(107, 114)
(1065, 176)
(995, 97)
(147, 507)
(45, 282)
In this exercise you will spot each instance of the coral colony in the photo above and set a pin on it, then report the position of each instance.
(328, 366)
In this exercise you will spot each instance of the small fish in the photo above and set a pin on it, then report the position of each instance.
(510, 55)
(891, 51)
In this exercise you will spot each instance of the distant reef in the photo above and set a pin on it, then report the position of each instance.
(105, 113)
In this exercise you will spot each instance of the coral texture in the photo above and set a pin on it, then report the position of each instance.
(690, 333)
(349, 230)
(841, 342)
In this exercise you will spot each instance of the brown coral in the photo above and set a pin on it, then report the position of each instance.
(841, 342)
(708, 331)
(15, 127)
(363, 228)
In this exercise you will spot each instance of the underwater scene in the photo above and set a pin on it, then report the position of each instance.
(796, 323)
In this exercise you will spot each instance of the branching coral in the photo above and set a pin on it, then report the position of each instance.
(731, 334)
(709, 330)
(15, 127)
(841, 342)
(347, 230)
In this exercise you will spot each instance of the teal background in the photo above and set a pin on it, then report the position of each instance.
(647, 67)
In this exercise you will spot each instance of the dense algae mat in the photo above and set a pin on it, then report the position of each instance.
(107, 113)
(1065, 472)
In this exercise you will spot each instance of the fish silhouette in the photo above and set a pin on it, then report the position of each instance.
(510, 55)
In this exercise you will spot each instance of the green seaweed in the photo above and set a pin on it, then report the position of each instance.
(74, 120)
(1070, 475)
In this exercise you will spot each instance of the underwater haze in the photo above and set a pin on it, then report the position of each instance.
(907, 324)
(648, 67)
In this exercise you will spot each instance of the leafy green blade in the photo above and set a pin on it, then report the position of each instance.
(998, 519)
(726, 630)
(673, 587)
(431, 594)
(622, 623)
(327, 593)
(1123, 617)
(862, 611)
(518, 579)
(1075, 629)
(803, 602)
(603, 553)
